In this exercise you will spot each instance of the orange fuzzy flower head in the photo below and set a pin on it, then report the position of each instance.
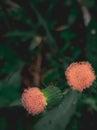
(80, 75)
(33, 101)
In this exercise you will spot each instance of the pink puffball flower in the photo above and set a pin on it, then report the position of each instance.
(80, 75)
(34, 100)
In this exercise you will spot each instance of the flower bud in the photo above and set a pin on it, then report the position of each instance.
(35, 100)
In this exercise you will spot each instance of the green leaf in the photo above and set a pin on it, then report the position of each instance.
(15, 79)
(91, 47)
(50, 76)
(9, 89)
(2, 123)
(67, 34)
(58, 117)
(91, 102)
(69, 2)
(49, 39)
(20, 33)
(39, 1)
(73, 16)
(89, 3)
(6, 52)
(16, 103)
(21, 15)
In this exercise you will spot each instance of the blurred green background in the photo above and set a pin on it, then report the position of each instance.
(38, 40)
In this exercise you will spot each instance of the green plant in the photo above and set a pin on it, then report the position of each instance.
(39, 39)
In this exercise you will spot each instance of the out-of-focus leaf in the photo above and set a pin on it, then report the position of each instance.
(4, 1)
(50, 8)
(91, 48)
(50, 76)
(67, 34)
(6, 52)
(58, 117)
(39, 1)
(11, 66)
(75, 53)
(20, 15)
(50, 40)
(15, 79)
(4, 101)
(9, 89)
(15, 103)
(89, 3)
(91, 102)
(35, 42)
(64, 48)
(69, 2)
(12, 61)
(73, 15)
(2, 123)
(20, 33)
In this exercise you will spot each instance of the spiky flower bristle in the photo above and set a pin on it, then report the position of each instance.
(34, 100)
(80, 75)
